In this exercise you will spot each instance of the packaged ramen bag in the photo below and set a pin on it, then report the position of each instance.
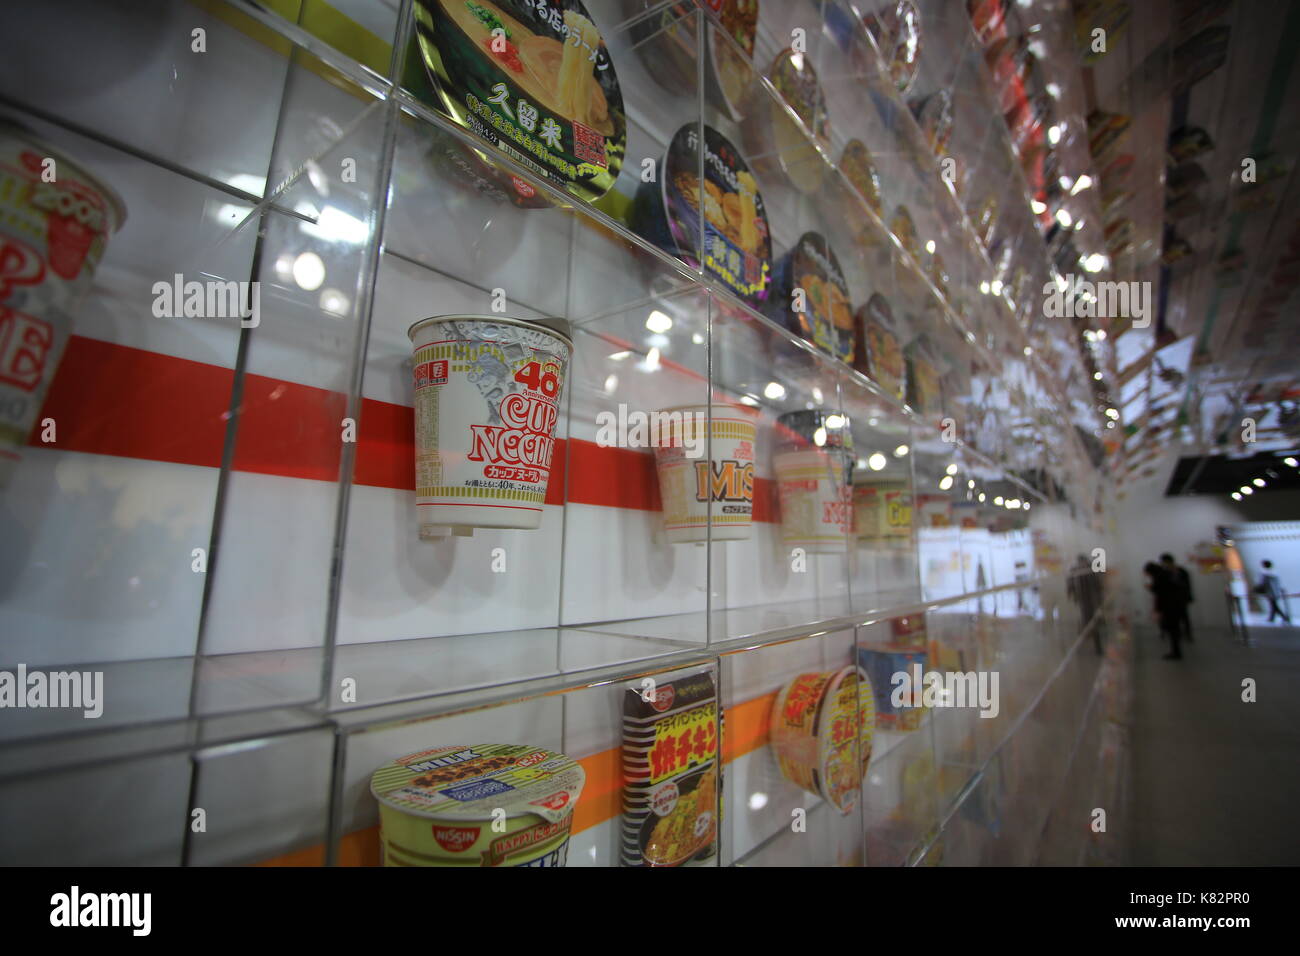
(671, 775)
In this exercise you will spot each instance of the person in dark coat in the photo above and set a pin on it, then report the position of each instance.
(1271, 587)
(1184, 582)
(1169, 606)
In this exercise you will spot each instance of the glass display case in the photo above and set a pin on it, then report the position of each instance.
(747, 366)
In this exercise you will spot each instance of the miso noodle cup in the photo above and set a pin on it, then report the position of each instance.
(706, 473)
(487, 399)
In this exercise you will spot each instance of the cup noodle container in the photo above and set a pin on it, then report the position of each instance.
(437, 807)
(487, 398)
(723, 472)
(814, 471)
(882, 512)
(52, 236)
(821, 730)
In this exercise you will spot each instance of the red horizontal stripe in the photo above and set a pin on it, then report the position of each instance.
(109, 399)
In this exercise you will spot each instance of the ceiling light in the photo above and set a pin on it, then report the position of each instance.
(996, 286)
(900, 451)
(981, 497)
(652, 360)
(1082, 183)
(611, 383)
(817, 395)
(1053, 134)
(970, 483)
(1028, 351)
(1259, 482)
(697, 338)
(1097, 376)
(1247, 490)
(984, 287)
(774, 391)
(1236, 496)
(1101, 335)
(619, 356)
(1065, 182)
(658, 322)
(819, 436)
(1063, 217)
(1038, 208)
(876, 462)
(945, 482)
(1054, 90)
(998, 501)
(929, 246)
(1290, 461)
(835, 421)
(950, 470)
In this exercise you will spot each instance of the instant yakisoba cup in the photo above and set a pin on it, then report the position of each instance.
(480, 805)
(55, 220)
(706, 472)
(821, 729)
(487, 399)
(814, 475)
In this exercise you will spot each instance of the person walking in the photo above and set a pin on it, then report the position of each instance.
(1184, 582)
(1271, 588)
(1168, 605)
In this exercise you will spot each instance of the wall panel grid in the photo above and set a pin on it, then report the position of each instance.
(223, 537)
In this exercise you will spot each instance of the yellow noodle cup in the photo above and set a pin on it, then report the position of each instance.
(480, 805)
(821, 729)
(712, 493)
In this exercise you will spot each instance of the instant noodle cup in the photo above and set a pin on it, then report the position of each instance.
(52, 236)
(814, 474)
(822, 314)
(878, 352)
(666, 43)
(736, 243)
(860, 171)
(789, 147)
(533, 79)
(447, 806)
(711, 494)
(821, 730)
(487, 399)
(882, 512)
(897, 32)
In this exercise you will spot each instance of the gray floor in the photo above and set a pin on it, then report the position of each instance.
(1216, 781)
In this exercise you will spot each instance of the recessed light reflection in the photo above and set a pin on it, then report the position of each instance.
(876, 462)
(611, 383)
(901, 451)
(774, 391)
(652, 360)
(619, 356)
(658, 322)
(308, 271)
(945, 482)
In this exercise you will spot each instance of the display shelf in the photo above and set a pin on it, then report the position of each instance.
(324, 637)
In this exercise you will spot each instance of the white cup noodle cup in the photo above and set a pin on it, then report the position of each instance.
(722, 472)
(487, 398)
(55, 220)
(816, 503)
